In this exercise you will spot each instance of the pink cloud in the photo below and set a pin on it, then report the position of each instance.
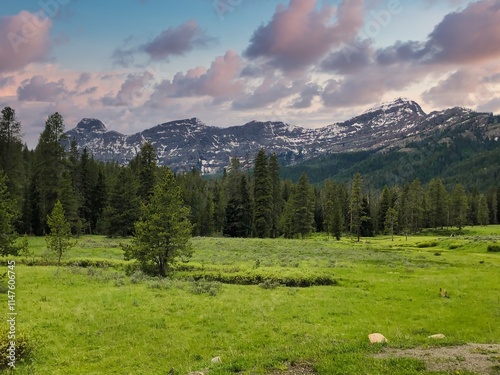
(38, 89)
(24, 39)
(299, 36)
(472, 35)
(131, 90)
(221, 81)
(174, 41)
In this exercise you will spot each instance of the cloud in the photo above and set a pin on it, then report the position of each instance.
(456, 89)
(465, 37)
(308, 93)
(472, 35)
(174, 41)
(221, 81)
(271, 90)
(83, 79)
(6, 81)
(349, 59)
(299, 36)
(37, 89)
(24, 39)
(131, 90)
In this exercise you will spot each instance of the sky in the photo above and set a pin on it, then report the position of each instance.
(137, 63)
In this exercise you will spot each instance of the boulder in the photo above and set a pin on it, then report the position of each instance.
(376, 338)
(216, 360)
(437, 336)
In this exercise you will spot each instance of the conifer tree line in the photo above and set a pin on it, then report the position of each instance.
(106, 198)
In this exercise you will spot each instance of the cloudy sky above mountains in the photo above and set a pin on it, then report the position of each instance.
(136, 63)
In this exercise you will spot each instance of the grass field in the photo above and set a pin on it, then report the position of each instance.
(90, 320)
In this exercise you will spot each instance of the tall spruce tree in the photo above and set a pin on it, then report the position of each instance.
(122, 210)
(416, 206)
(459, 206)
(7, 216)
(11, 152)
(147, 165)
(391, 219)
(483, 213)
(162, 235)
(98, 199)
(277, 199)
(356, 205)
(303, 204)
(50, 165)
(438, 201)
(263, 196)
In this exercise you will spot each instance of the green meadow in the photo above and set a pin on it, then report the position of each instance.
(262, 306)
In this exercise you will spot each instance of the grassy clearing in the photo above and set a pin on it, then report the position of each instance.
(101, 321)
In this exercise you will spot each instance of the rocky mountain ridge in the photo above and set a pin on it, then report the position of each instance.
(188, 143)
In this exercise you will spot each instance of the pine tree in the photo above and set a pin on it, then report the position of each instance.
(239, 213)
(263, 196)
(147, 171)
(162, 235)
(98, 198)
(384, 204)
(459, 206)
(333, 216)
(122, 210)
(492, 205)
(277, 200)
(11, 157)
(438, 201)
(219, 206)
(7, 215)
(59, 238)
(50, 165)
(416, 206)
(69, 201)
(303, 204)
(390, 221)
(356, 205)
(483, 214)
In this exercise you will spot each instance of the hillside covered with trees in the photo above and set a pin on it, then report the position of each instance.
(245, 201)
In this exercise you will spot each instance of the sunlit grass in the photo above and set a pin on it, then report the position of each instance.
(97, 321)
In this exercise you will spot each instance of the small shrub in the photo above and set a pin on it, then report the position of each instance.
(23, 347)
(203, 286)
(427, 244)
(159, 283)
(494, 248)
(269, 284)
(137, 277)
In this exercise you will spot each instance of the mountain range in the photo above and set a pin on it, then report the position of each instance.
(385, 128)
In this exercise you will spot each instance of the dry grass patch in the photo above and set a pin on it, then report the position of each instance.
(482, 359)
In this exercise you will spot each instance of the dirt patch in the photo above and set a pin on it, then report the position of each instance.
(296, 369)
(482, 359)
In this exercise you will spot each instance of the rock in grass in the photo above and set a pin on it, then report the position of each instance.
(376, 338)
(216, 360)
(437, 336)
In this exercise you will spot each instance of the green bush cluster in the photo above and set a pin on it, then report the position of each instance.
(494, 248)
(23, 346)
(424, 245)
(203, 286)
(77, 262)
(291, 278)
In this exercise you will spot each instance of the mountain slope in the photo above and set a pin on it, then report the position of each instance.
(184, 144)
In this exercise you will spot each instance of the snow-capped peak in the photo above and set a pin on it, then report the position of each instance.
(396, 104)
(91, 125)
